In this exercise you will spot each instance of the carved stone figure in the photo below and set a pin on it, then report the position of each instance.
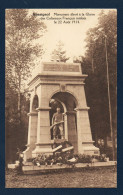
(57, 124)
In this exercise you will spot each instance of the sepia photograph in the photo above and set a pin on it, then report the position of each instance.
(61, 98)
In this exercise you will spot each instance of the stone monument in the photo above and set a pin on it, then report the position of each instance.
(63, 82)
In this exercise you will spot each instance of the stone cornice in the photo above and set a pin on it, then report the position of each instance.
(43, 108)
(88, 142)
(59, 78)
(45, 143)
(81, 109)
(70, 112)
(32, 114)
(58, 83)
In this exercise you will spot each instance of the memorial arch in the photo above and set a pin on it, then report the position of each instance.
(70, 119)
(64, 83)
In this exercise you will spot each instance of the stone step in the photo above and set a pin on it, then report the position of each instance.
(27, 163)
(43, 168)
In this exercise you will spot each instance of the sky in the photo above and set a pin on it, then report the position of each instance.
(71, 34)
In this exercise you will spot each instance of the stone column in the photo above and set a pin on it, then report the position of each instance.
(32, 135)
(65, 127)
(72, 131)
(43, 144)
(85, 142)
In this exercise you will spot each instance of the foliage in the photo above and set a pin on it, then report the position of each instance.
(15, 127)
(94, 64)
(57, 157)
(82, 158)
(108, 152)
(59, 54)
(64, 158)
(20, 165)
(22, 31)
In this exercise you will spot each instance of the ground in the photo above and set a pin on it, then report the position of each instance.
(86, 178)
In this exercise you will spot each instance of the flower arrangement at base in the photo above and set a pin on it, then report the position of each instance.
(67, 158)
(63, 153)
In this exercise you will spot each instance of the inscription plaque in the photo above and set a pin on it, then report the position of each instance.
(62, 68)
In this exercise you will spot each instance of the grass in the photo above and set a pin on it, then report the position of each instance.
(86, 178)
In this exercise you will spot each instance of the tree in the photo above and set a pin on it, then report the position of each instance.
(22, 30)
(15, 129)
(22, 33)
(104, 34)
(59, 54)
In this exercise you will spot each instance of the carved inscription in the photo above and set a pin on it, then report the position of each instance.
(62, 68)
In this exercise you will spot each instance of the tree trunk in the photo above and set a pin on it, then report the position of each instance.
(19, 99)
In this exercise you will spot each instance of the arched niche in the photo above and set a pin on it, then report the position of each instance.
(67, 102)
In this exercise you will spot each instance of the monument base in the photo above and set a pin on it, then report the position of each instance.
(90, 149)
(34, 150)
(31, 169)
(27, 154)
(42, 148)
(58, 141)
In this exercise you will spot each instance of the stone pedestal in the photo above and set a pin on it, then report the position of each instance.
(85, 142)
(43, 142)
(72, 133)
(32, 135)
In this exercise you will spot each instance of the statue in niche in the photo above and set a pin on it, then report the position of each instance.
(57, 125)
